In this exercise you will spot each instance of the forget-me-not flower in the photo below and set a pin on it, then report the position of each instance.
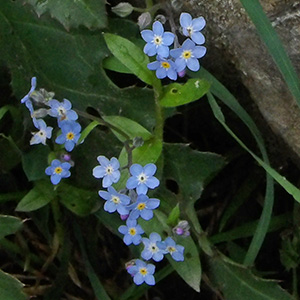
(143, 207)
(151, 249)
(108, 170)
(142, 178)
(132, 232)
(187, 56)
(158, 41)
(26, 98)
(164, 68)
(142, 272)
(115, 201)
(171, 247)
(70, 134)
(191, 27)
(62, 110)
(58, 170)
(44, 132)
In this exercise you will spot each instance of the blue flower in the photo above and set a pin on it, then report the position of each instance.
(108, 170)
(142, 178)
(43, 133)
(58, 170)
(143, 207)
(158, 41)
(170, 246)
(151, 249)
(70, 134)
(115, 201)
(62, 110)
(191, 27)
(26, 99)
(142, 272)
(187, 56)
(132, 232)
(164, 68)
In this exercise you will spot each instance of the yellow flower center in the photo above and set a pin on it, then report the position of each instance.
(141, 206)
(70, 136)
(132, 231)
(115, 199)
(186, 54)
(165, 65)
(58, 170)
(143, 271)
(109, 170)
(157, 40)
(171, 249)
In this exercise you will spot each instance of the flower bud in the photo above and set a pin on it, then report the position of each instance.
(144, 20)
(123, 9)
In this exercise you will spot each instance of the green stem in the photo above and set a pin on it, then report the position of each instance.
(295, 284)
(57, 215)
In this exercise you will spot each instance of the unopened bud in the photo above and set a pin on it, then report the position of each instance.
(161, 18)
(144, 20)
(40, 113)
(138, 142)
(123, 9)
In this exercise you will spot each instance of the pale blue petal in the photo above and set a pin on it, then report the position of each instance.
(99, 172)
(150, 269)
(146, 254)
(199, 51)
(147, 35)
(103, 160)
(188, 44)
(67, 104)
(147, 214)
(123, 229)
(149, 279)
(150, 49)
(104, 195)
(193, 64)
(158, 29)
(114, 163)
(153, 65)
(185, 19)
(150, 169)
(138, 279)
(136, 240)
(161, 73)
(122, 210)
(152, 182)
(55, 179)
(127, 239)
(153, 203)
(134, 214)
(180, 64)
(69, 146)
(158, 256)
(198, 38)
(168, 38)
(172, 74)
(132, 183)
(176, 52)
(109, 207)
(142, 189)
(106, 181)
(60, 139)
(136, 169)
(163, 51)
(177, 256)
(198, 23)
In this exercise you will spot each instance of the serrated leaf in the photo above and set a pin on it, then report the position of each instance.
(39, 196)
(177, 94)
(81, 202)
(237, 282)
(10, 288)
(131, 57)
(73, 13)
(68, 63)
(130, 128)
(9, 225)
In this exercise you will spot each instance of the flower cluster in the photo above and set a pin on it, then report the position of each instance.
(173, 63)
(132, 204)
(67, 123)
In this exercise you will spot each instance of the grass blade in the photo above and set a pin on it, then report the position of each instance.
(269, 36)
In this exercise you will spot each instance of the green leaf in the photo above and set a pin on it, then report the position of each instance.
(113, 64)
(174, 216)
(35, 162)
(73, 13)
(10, 288)
(190, 269)
(237, 282)
(39, 196)
(68, 63)
(9, 225)
(177, 94)
(191, 170)
(269, 36)
(87, 130)
(81, 202)
(128, 127)
(131, 57)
